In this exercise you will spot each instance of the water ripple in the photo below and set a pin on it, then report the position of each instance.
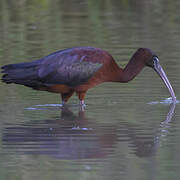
(43, 106)
(165, 101)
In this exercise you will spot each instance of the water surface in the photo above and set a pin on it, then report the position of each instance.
(128, 131)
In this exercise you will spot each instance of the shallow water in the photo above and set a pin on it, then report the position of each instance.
(127, 131)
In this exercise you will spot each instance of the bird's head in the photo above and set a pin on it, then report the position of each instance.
(151, 60)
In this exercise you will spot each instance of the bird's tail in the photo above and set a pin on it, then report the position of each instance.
(21, 73)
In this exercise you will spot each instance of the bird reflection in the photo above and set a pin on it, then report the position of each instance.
(77, 137)
(70, 137)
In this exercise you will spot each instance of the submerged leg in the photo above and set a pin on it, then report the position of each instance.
(81, 96)
(66, 96)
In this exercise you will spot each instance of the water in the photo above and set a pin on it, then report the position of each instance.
(128, 131)
(165, 101)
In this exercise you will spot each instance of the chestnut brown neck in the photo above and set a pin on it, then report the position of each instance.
(134, 66)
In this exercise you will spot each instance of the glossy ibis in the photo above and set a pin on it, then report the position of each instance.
(79, 69)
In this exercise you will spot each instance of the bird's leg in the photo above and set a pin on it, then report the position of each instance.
(81, 96)
(66, 96)
(82, 103)
(82, 106)
(63, 103)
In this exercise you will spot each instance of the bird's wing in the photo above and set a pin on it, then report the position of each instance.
(63, 68)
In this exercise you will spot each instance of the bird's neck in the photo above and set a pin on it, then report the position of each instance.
(134, 66)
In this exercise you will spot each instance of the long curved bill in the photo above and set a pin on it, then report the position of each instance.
(162, 74)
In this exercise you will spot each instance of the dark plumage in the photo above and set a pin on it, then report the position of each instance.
(78, 69)
(62, 67)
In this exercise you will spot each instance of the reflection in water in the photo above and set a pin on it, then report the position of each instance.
(69, 137)
(75, 137)
(32, 29)
(166, 124)
(148, 148)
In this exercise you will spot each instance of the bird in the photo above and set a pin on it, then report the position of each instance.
(77, 69)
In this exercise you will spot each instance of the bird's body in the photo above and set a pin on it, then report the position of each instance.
(75, 70)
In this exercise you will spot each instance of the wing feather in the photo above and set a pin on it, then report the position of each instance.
(64, 68)
(71, 67)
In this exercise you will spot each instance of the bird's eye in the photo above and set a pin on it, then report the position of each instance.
(155, 60)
